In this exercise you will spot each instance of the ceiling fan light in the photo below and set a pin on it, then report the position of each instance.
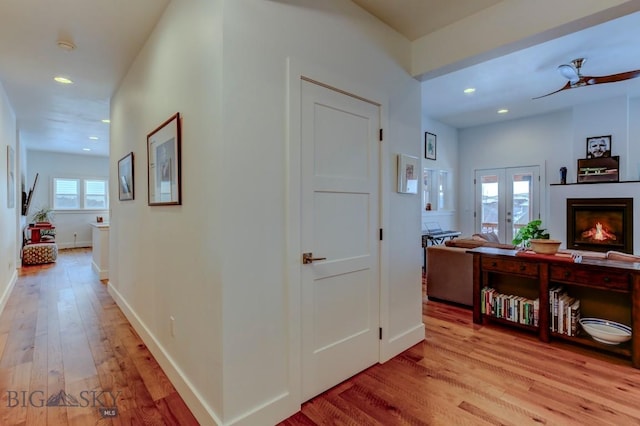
(569, 72)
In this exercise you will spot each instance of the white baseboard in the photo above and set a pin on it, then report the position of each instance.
(401, 342)
(203, 413)
(77, 244)
(103, 274)
(8, 290)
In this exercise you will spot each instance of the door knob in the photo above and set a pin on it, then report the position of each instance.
(308, 258)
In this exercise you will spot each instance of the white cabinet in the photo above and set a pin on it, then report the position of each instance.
(100, 242)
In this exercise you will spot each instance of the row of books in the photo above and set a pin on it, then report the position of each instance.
(564, 312)
(510, 307)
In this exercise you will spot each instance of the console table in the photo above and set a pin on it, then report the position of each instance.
(607, 289)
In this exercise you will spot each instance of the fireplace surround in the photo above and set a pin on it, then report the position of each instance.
(600, 224)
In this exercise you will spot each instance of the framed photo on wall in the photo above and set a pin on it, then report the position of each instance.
(408, 174)
(599, 146)
(163, 163)
(126, 188)
(11, 177)
(430, 141)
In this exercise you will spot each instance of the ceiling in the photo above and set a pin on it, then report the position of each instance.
(109, 34)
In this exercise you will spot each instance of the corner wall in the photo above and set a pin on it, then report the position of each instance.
(218, 263)
(9, 217)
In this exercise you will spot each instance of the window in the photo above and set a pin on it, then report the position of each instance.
(95, 194)
(436, 190)
(89, 194)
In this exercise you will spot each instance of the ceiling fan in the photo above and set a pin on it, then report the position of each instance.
(576, 79)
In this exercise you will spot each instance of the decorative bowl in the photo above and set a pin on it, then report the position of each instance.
(607, 332)
(544, 246)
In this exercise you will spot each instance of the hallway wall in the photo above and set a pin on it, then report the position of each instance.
(9, 217)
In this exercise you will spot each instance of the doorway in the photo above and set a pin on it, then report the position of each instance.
(340, 284)
(506, 200)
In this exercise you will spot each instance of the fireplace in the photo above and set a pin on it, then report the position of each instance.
(600, 224)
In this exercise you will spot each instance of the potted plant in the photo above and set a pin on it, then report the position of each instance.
(531, 231)
(43, 214)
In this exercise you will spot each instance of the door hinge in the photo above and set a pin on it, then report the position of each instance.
(381, 135)
(474, 214)
(474, 181)
(380, 234)
(380, 333)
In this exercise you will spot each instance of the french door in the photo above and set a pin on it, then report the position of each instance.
(506, 200)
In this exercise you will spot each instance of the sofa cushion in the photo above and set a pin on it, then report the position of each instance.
(464, 243)
(487, 236)
(471, 243)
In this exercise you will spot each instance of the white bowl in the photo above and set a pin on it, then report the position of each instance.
(608, 332)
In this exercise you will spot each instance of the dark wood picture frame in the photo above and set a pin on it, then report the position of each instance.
(126, 185)
(599, 146)
(164, 163)
(602, 169)
(430, 145)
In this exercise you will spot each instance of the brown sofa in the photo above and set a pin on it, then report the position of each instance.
(450, 268)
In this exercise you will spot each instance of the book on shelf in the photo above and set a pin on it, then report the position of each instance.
(564, 312)
(510, 307)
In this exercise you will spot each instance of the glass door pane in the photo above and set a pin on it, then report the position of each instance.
(489, 211)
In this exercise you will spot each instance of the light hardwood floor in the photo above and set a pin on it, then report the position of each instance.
(61, 331)
(465, 374)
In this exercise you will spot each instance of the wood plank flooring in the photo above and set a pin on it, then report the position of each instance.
(465, 374)
(61, 331)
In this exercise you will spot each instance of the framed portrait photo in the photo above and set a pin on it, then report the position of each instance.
(599, 146)
(126, 188)
(163, 163)
(408, 174)
(430, 141)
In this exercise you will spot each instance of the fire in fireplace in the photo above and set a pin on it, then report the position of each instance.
(600, 224)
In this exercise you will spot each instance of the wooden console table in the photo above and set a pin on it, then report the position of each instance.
(607, 289)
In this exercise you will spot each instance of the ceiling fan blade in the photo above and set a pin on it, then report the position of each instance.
(612, 78)
(565, 87)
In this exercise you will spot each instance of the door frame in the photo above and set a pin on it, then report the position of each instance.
(539, 194)
(297, 70)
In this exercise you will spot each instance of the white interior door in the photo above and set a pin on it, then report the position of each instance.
(507, 199)
(340, 294)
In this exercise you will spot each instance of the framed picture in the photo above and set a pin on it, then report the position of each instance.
(163, 163)
(125, 178)
(599, 146)
(430, 146)
(408, 174)
(11, 177)
(602, 169)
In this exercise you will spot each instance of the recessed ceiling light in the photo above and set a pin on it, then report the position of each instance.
(63, 80)
(469, 90)
(93, 138)
(86, 149)
(503, 111)
(106, 120)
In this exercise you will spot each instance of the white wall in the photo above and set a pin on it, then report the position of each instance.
(219, 263)
(552, 141)
(544, 140)
(53, 164)
(9, 217)
(446, 159)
